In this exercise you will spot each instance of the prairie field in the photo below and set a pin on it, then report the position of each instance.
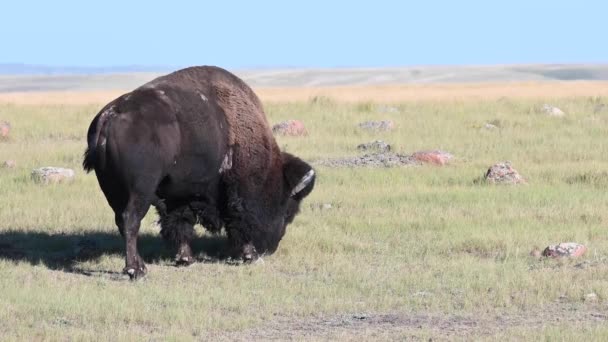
(404, 253)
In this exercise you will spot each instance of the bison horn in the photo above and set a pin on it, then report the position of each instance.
(303, 182)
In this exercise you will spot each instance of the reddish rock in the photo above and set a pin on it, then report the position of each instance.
(503, 173)
(5, 129)
(384, 125)
(290, 127)
(9, 164)
(436, 157)
(565, 249)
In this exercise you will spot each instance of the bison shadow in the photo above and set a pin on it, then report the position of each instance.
(64, 251)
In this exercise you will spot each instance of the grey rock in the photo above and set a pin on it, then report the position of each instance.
(49, 175)
(600, 108)
(591, 297)
(552, 111)
(377, 126)
(376, 146)
(387, 109)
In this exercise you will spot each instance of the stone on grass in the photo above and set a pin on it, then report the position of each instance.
(536, 253)
(321, 206)
(503, 173)
(321, 100)
(565, 249)
(436, 157)
(5, 129)
(293, 128)
(552, 111)
(49, 175)
(590, 297)
(600, 108)
(377, 126)
(387, 109)
(9, 164)
(376, 145)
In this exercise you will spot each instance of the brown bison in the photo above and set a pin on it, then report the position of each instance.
(196, 145)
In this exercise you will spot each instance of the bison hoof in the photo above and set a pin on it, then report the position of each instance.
(184, 260)
(249, 254)
(135, 273)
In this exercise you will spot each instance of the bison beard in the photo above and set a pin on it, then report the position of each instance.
(196, 145)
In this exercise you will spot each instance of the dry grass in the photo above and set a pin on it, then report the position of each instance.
(418, 252)
(353, 94)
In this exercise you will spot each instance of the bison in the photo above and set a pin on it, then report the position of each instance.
(196, 145)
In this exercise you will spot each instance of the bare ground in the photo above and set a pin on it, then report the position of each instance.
(418, 326)
(383, 159)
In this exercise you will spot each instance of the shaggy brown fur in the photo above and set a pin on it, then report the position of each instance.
(197, 145)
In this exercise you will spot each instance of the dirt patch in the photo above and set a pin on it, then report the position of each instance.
(385, 159)
(389, 326)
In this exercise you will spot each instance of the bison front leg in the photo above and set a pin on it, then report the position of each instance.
(241, 247)
(177, 228)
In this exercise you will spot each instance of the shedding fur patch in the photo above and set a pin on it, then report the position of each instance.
(227, 162)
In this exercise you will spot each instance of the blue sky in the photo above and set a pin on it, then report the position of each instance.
(242, 34)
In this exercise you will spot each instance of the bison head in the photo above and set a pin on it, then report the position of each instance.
(298, 181)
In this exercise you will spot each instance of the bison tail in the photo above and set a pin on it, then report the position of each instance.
(88, 163)
(94, 156)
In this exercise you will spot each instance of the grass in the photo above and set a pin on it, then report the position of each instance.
(417, 252)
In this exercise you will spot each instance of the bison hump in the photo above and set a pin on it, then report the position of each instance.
(244, 114)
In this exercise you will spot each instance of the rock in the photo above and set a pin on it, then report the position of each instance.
(377, 126)
(5, 129)
(9, 164)
(552, 111)
(490, 126)
(591, 297)
(565, 249)
(422, 294)
(503, 173)
(436, 157)
(290, 127)
(387, 109)
(372, 160)
(376, 145)
(321, 100)
(321, 206)
(49, 174)
(600, 108)
(536, 253)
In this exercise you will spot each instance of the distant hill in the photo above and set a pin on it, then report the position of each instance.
(25, 78)
(30, 69)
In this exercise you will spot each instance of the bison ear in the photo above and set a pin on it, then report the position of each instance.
(299, 176)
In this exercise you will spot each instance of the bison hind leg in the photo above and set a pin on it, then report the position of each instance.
(177, 229)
